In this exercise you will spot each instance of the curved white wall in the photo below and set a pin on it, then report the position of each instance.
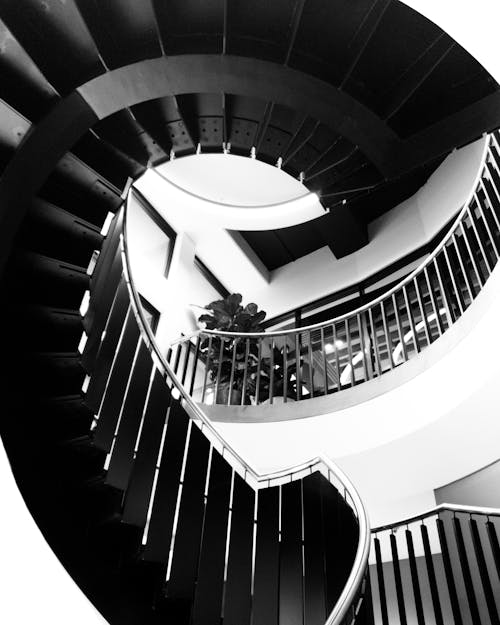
(405, 228)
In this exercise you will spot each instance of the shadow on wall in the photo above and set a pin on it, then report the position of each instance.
(481, 488)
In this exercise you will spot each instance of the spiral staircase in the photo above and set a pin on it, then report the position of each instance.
(150, 512)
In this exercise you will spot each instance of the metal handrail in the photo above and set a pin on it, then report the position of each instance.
(425, 263)
(443, 507)
(325, 465)
(372, 339)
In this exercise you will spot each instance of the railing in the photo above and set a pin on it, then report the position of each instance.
(291, 365)
(235, 543)
(442, 566)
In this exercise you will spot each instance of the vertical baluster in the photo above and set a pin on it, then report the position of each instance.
(431, 573)
(381, 582)
(310, 356)
(468, 283)
(349, 351)
(325, 364)
(494, 545)
(245, 371)
(195, 365)
(177, 359)
(187, 354)
(336, 351)
(388, 341)
(397, 578)
(297, 365)
(399, 328)
(487, 228)
(492, 168)
(432, 298)
(483, 572)
(423, 313)
(207, 368)
(233, 370)
(259, 367)
(378, 363)
(222, 340)
(472, 216)
(361, 330)
(487, 195)
(411, 321)
(271, 373)
(450, 580)
(419, 608)
(285, 368)
(449, 319)
(465, 567)
(458, 294)
(471, 255)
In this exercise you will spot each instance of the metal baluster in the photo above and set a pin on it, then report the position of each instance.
(271, 373)
(471, 215)
(285, 368)
(386, 333)
(378, 364)
(462, 267)
(399, 327)
(443, 292)
(177, 357)
(207, 367)
(397, 579)
(381, 582)
(488, 196)
(361, 330)
(491, 167)
(457, 291)
(259, 366)
(325, 363)
(433, 301)
(431, 574)
(297, 365)
(349, 351)
(219, 368)
(245, 371)
(186, 361)
(422, 310)
(471, 255)
(410, 319)
(337, 362)
(195, 365)
(311, 372)
(488, 229)
(233, 368)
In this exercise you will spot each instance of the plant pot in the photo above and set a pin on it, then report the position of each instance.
(226, 396)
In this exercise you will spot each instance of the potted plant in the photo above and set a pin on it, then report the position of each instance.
(273, 374)
(219, 353)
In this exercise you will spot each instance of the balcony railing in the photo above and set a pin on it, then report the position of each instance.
(291, 365)
(442, 566)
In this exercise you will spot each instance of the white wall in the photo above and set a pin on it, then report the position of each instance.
(400, 446)
(481, 488)
(398, 232)
(172, 296)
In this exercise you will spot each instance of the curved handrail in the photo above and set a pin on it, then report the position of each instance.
(374, 338)
(325, 465)
(443, 507)
(406, 280)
